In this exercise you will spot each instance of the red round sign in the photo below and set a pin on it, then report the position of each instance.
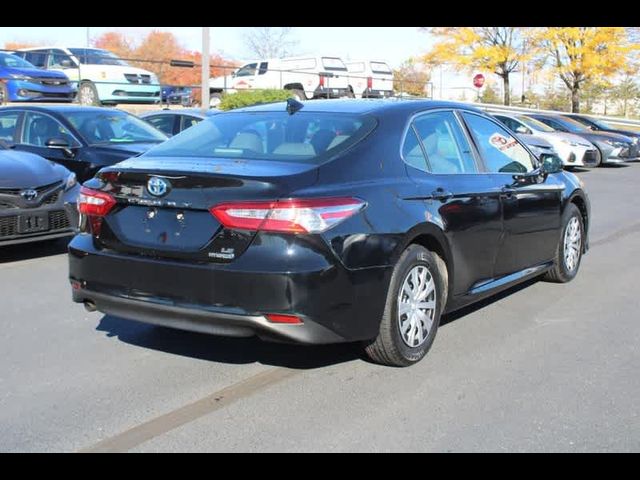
(478, 80)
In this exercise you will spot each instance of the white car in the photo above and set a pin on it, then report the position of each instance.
(370, 79)
(306, 77)
(572, 149)
(101, 77)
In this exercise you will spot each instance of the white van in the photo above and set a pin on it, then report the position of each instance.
(370, 79)
(100, 76)
(306, 77)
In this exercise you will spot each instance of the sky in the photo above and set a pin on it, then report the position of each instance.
(392, 44)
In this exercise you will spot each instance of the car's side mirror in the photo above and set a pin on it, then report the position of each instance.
(551, 163)
(66, 63)
(523, 130)
(60, 144)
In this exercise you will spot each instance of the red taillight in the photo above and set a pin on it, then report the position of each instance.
(322, 77)
(94, 203)
(369, 83)
(287, 216)
(278, 318)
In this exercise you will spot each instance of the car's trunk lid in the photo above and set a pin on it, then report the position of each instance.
(170, 216)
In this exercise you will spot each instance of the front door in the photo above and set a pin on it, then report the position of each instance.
(38, 129)
(531, 212)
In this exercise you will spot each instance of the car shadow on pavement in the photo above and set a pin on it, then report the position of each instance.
(27, 251)
(227, 349)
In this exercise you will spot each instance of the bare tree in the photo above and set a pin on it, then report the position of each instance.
(270, 42)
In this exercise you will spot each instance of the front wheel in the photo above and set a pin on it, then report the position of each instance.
(416, 299)
(4, 94)
(570, 247)
(88, 94)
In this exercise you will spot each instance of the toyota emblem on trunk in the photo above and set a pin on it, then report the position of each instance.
(158, 186)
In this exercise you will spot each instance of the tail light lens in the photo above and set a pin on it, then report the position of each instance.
(94, 203)
(322, 77)
(287, 216)
(369, 83)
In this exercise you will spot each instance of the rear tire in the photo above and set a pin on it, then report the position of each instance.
(88, 95)
(570, 247)
(215, 99)
(4, 94)
(408, 327)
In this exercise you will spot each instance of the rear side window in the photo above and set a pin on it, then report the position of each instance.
(8, 124)
(187, 121)
(502, 153)
(381, 68)
(443, 143)
(303, 137)
(164, 123)
(333, 64)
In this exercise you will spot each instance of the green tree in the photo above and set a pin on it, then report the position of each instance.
(497, 49)
(625, 92)
(411, 77)
(489, 95)
(580, 54)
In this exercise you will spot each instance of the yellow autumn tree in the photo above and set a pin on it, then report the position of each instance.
(495, 49)
(578, 55)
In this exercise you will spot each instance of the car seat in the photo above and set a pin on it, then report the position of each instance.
(247, 141)
(322, 139)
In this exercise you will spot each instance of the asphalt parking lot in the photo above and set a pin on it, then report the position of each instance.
(544, 367)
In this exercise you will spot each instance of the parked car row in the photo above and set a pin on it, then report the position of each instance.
(96, 76)
(309, 77)
(578, 140)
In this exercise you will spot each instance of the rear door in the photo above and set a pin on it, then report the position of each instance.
(336, 74)
(456, 194)
(9, 125)
(167, 124)
(531, 211)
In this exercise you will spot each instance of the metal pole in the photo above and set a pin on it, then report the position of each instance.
(205, 69)
(88, 37)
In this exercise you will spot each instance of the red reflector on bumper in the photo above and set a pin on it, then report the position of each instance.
(277, 318)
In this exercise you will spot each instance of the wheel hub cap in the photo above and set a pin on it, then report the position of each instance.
(572, 244)
(416, 306)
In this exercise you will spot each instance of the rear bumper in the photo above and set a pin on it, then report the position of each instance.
(335, 304)
(368, 93)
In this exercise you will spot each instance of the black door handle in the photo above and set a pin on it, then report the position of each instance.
(441, 194)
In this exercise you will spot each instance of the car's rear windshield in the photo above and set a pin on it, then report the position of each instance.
(309, 137)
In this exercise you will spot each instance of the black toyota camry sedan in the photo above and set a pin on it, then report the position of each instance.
(321, 222)
(37, 198)
(83, 139)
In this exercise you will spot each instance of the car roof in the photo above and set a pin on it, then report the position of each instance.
(363, 106)
(197, 112)
(61, 108)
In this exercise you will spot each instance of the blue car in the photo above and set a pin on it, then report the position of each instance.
(20, 81)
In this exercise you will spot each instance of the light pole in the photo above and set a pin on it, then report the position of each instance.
(205, 69)
(88, 37)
